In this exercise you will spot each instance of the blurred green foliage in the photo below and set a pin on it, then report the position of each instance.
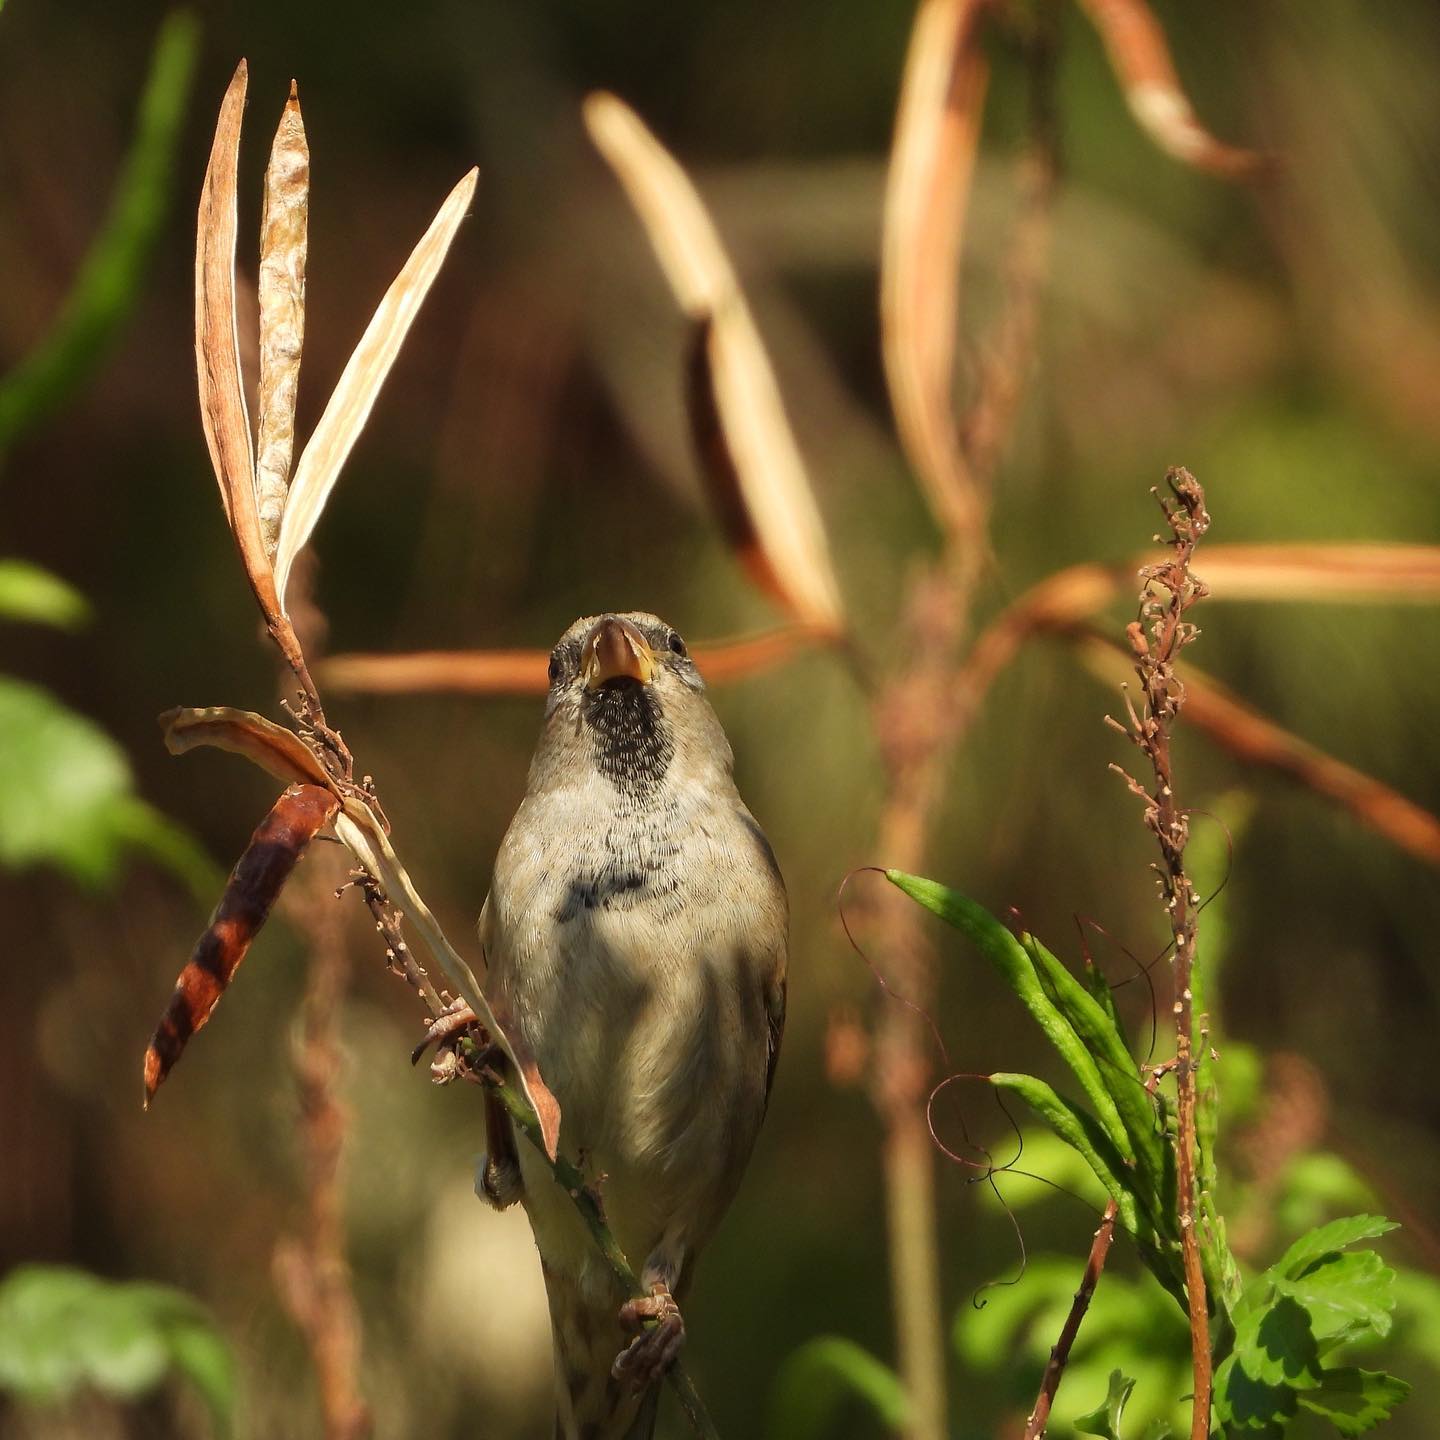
(63, 1330)
(108, 286)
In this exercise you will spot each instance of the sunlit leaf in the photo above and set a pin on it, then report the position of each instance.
(1105, 1419)
(1355, 1401)
(354, 396)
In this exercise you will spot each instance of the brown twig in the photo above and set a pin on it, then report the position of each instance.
(1157, 636)
(311, 1271)
(1060, 1352)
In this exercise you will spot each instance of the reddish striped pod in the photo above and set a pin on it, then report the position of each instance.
(254, 885)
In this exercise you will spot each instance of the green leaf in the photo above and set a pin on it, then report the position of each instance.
(1334, 1236)
(1346, 1294)
(61, 1329)
(1354, 1401)
(1017, 969)
(1157, 1430)
(61, 778)
(105, 291)
(65, 798)
(1083, 1133)
(1104, 1420)
(814, 1381)
(29, 593)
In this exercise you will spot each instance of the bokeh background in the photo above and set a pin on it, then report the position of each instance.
(529, 462)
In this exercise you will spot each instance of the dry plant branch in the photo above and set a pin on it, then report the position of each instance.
(317, 759)
(1157, 637)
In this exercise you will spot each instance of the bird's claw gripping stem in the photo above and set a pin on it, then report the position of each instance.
(661, 1333)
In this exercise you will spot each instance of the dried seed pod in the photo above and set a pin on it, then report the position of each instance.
(283, 246)
(254, 885)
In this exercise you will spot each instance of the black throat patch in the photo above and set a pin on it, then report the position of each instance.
(633, 745)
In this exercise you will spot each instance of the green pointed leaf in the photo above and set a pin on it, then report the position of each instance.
(1157, 1430)
(1017, 969)
(812, 1385)
(1354, 1401)
(29, 593)
(1104, 1420)
(1083, 1133)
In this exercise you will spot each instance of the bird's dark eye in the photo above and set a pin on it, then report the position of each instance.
(677, 645)
(556, 669)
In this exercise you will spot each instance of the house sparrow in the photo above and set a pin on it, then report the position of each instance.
(635, 940)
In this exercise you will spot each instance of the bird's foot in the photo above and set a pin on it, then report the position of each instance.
(458, 1016)
(661, 1332)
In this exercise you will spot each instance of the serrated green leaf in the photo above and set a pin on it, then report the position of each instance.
(29, 593)
(1345, 1293)
(1355, 1401)
(1157, 1430)
(814, 1381)
(1334, 1236)
(1104, 1419)
(202, 1357)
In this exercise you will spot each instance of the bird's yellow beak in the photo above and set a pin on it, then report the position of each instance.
(615, 650)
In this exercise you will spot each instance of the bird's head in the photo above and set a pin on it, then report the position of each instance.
(627, 701)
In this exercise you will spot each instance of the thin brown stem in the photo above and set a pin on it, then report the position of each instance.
(1060, 1353)
(1157, 636)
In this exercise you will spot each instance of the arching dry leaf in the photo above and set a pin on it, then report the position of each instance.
(1253, 738)
(932, 160)
(759, 448)
(283, 245)
(276, 750)
(1140, 56)
(217, 347)
(350, 404)
(363, 833)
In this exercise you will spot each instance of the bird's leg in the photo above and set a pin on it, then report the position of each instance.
(659, 1325)
(458, 1015)
(499, 1181)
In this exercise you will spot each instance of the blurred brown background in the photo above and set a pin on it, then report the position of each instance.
(529, 462)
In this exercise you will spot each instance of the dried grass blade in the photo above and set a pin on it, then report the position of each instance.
(932, 160)
(1252, 737)
(1140, 56)
(1342, 572)
(759, 448)
(217, 348)
(276, 750)
(350, 404)
(283, 246)
(363, 833)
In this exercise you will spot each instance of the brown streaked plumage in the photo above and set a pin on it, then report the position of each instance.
(635, 935)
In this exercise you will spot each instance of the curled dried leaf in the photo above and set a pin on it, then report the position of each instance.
(932, 161)
(283, 247)
(353, 397)
(742, 416)
(276, 750)
(361, 831)
(274, 850)
(1140, 55)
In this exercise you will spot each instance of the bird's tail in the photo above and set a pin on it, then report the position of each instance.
(590, 1404)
